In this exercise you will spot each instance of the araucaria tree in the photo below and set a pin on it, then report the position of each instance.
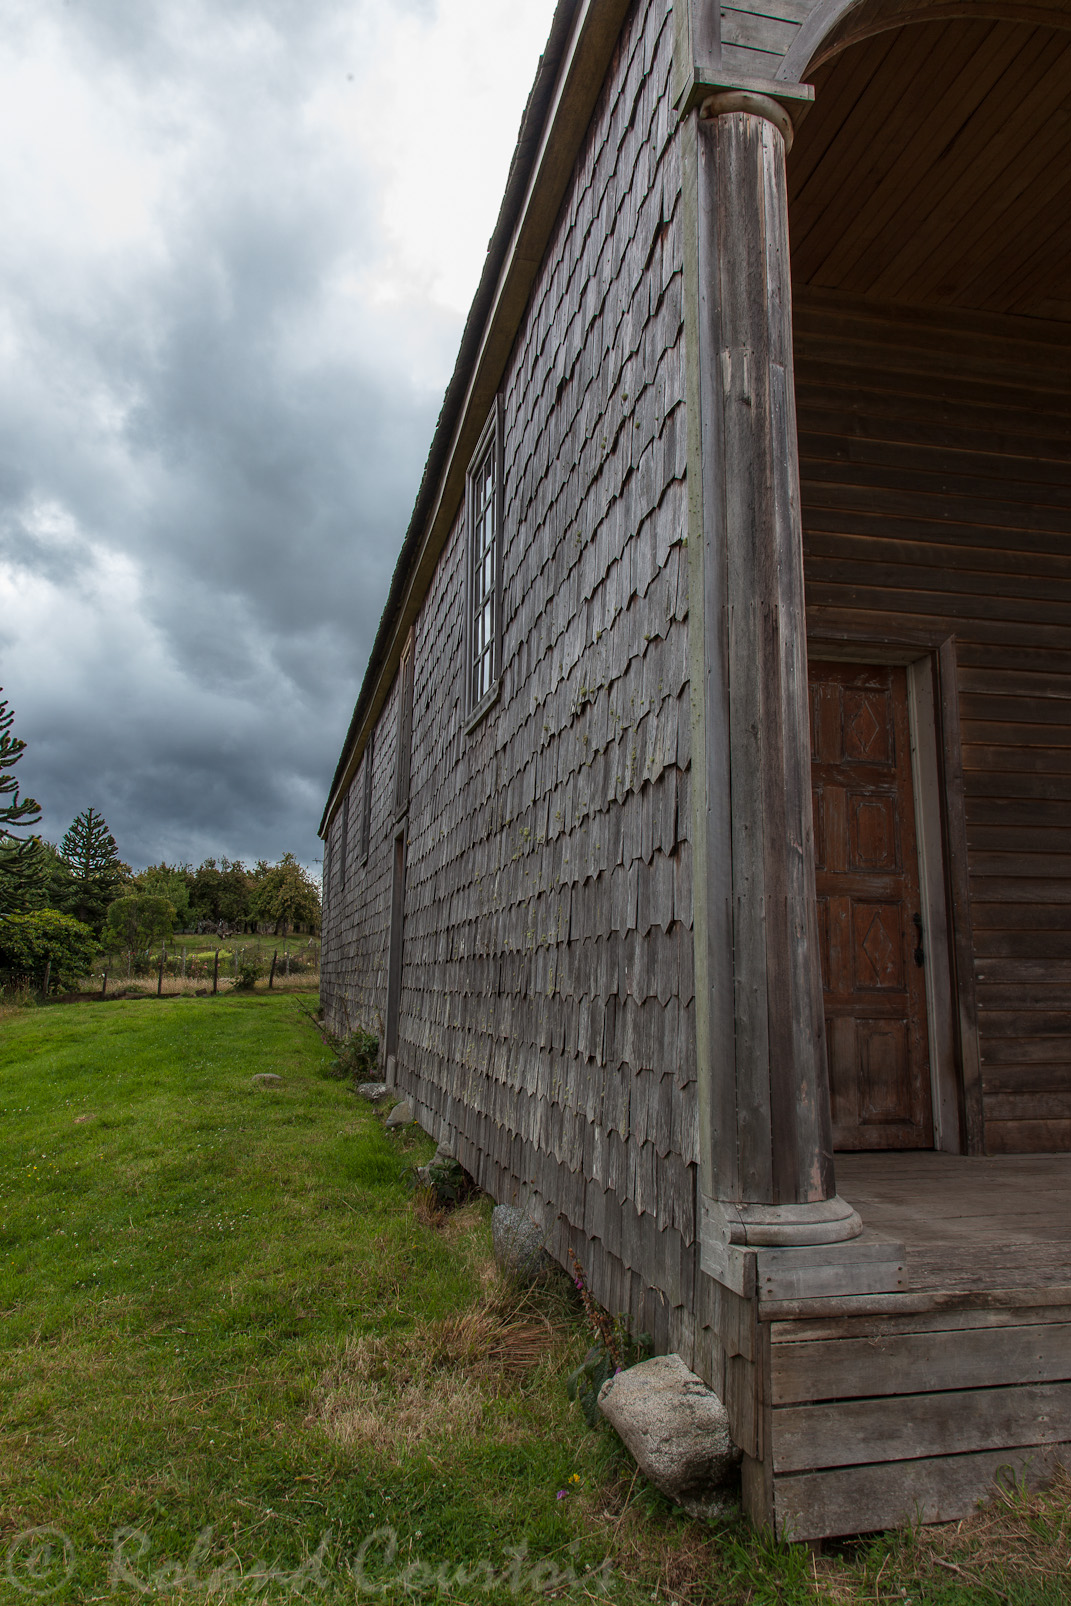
(96, 869)
(19, 852)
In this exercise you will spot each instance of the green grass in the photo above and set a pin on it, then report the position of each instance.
(232, 1345)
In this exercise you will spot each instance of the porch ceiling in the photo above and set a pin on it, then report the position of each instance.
(935, 170)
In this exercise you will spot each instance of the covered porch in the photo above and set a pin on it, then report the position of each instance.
(896, 1315)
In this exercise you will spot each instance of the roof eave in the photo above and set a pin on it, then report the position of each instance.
(568, 81)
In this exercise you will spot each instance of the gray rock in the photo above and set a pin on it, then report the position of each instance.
(266, 1079)
(442, 1159)
(374, 1092)
(677, 1431)
(518, 1243)
(401, 1115)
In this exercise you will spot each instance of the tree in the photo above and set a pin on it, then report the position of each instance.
(19, 853)
(221, 891)
(92, 856)
(30, 943)
(138, 922)
(170, 881)
(285, 896)
(43, 881)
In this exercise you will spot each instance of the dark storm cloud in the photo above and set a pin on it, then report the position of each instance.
(209, 436)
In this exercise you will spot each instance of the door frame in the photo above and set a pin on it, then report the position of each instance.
(944, 889)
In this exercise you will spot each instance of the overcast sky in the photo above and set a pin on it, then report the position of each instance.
(238, 239)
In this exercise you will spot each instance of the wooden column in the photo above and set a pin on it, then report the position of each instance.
(767, 1164)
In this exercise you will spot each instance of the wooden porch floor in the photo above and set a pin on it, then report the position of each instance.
(905, 1407)
(977, 1225)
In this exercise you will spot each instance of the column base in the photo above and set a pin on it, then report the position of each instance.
(831, 1221)
(793, 1252)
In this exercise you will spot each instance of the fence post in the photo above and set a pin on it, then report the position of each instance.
(184, 962)
(160, 975)
(48, 977)
(271, 973)
(104, 985)
(215, 974)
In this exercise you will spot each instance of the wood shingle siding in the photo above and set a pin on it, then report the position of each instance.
(937, 495)
(547, 990)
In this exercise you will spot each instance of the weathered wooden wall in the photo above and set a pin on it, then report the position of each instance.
(755, 34)
(937, 492)
(353, 971)
(547, 1006)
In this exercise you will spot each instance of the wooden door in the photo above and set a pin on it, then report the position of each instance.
(869, 915)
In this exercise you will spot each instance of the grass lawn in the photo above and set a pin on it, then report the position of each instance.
(239, 1360)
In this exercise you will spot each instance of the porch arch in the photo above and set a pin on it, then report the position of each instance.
(835, 24)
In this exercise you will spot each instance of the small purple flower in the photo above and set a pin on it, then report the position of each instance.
(560, 1495)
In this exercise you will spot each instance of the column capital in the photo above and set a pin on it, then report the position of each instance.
(707, 80)
(727, 101)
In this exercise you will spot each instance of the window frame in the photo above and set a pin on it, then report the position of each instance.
(488, 446)
(344, 841)
(365, 833)
(403, 758)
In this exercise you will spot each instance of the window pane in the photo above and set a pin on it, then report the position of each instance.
(483, 572)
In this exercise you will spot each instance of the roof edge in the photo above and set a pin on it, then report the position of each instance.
(568, 81)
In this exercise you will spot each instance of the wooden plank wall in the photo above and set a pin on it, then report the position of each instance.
(755, 34)
(936, 489)
(880, 1420)
(547, 1018)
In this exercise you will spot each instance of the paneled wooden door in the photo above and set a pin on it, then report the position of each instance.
(869, 915)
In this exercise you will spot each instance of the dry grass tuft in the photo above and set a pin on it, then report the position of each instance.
(428, 1210)
(1027, 1531)
(394, 1392)
(1020, 1539)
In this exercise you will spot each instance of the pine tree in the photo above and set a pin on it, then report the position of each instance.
(20, 854)
(92, 856)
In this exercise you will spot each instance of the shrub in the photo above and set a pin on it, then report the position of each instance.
(357, 1057)
(250, 970)
(29, 942)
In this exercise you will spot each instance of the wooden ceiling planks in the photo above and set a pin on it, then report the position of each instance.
(935, 170)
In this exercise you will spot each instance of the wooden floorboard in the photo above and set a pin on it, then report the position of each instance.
(988, 1231)
(968, 1223)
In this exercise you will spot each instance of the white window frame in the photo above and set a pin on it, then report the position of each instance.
(483, 589)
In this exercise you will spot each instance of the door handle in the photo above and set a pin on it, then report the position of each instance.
(920, 957)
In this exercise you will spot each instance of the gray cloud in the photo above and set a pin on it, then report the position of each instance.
(209, 438)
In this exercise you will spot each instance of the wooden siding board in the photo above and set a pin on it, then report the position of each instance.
(927, 507)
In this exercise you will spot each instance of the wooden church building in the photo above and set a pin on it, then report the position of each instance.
(700, 848)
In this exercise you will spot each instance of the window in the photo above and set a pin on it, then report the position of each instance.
(404, 755)
(366, 798)
(344, 842)
(484, 516)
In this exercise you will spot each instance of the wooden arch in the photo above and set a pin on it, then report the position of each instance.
(835, 24)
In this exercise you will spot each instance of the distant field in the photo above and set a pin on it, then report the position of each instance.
(297, 966)
(240, 1359)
